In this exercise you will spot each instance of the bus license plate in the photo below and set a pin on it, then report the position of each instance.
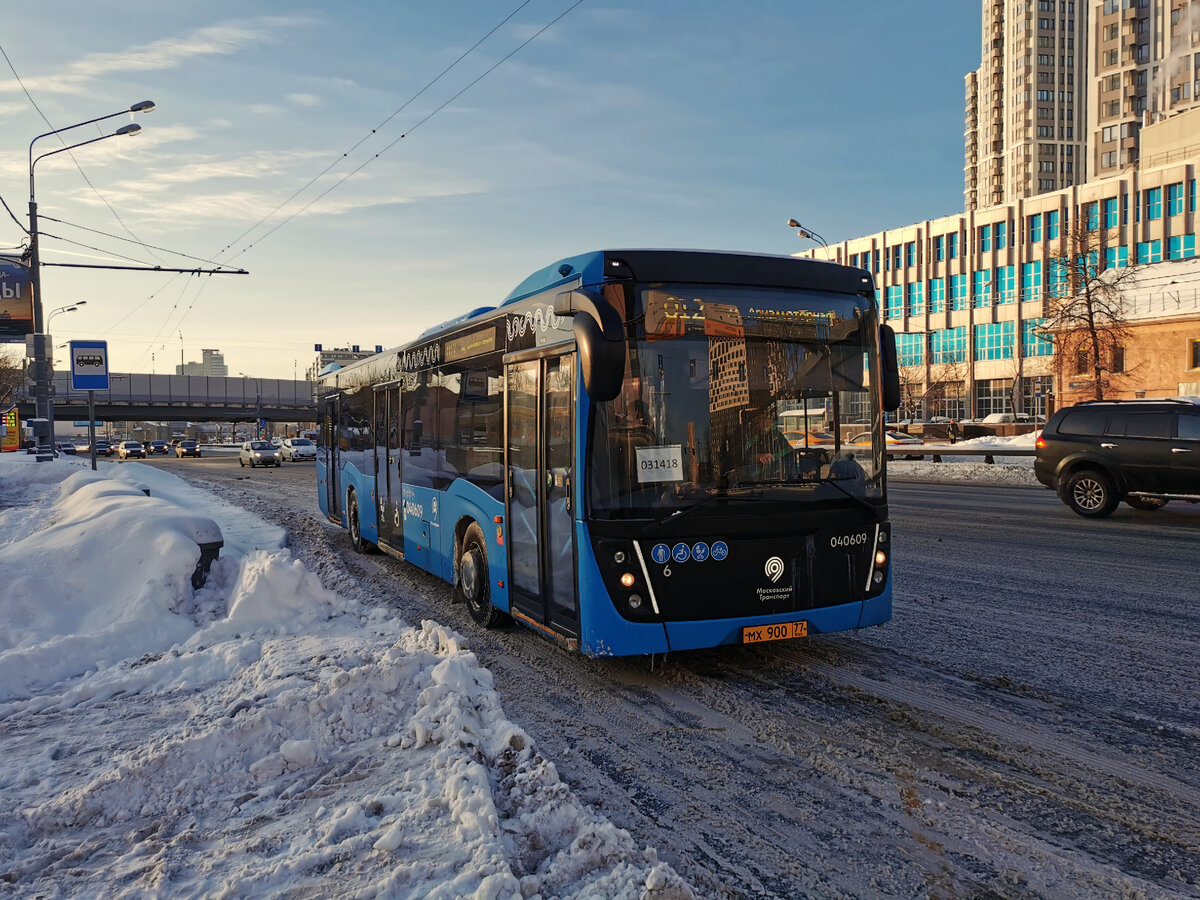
(756, 634)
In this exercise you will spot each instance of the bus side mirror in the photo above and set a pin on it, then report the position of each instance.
(600, 338)
(889, 368)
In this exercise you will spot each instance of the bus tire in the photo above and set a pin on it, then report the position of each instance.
(474, 582)
(357, 541)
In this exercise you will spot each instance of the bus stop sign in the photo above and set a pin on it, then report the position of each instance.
(89, 365)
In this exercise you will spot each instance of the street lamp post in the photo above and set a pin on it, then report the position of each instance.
(41, 366)
(807, 233)
(257, 402)
(63, 309)
(50, 366)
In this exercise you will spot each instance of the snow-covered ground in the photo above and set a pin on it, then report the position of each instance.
(1020, 729)
(257, 736)
(1002, 470)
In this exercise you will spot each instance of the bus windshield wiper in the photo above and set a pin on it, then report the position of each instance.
(749, 494)
(833, 482)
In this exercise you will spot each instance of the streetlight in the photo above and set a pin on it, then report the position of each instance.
(41, 366)
(63, 309)
(807, 233)
(257, 402)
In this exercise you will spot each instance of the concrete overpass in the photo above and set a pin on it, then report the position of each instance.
(180, 398)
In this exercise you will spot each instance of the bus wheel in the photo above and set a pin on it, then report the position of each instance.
(356, 538)
(473, 579)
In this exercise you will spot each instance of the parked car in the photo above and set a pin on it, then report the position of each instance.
(1098, 453)
(259, 453)
(186, 448)
(131, 450)
(890, 436)
(66, 448)
(298, 448)
(802, 439)
(157, 447)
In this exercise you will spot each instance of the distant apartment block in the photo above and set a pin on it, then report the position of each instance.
(212, 362)
(1144, 66)
(336, 355)
(966, 293)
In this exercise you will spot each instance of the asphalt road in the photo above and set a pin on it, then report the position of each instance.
(1024, 727)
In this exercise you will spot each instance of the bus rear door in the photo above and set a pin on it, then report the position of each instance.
(540, 417)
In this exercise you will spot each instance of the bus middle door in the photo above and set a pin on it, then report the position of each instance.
(541, 533)
(388, 462)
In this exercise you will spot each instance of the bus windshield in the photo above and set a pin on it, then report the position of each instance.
(739, 393)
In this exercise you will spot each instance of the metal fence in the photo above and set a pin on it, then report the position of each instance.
(193, 390)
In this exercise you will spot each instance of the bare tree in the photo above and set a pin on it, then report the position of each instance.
(1085, 306)
(912, 391)
(12, 373)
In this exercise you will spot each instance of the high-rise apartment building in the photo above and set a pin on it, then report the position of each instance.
(1026, 103)
(1144, 68)
(1083, 113)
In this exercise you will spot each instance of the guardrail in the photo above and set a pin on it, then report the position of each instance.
(937, 451)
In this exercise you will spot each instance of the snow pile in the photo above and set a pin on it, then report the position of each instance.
(1011, 470)
(260, 735)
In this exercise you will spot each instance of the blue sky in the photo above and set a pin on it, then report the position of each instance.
(669, 124)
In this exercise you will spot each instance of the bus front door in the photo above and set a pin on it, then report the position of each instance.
(329, 442)
(541, 479)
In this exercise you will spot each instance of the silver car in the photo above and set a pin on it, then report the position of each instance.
(259, 453)
(298, 448)
(131, 450)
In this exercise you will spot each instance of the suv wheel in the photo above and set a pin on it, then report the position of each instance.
(1090, 493)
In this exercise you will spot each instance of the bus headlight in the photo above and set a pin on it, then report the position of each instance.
(619, 557)
(880, 558)
(635, 601)
(627, 580)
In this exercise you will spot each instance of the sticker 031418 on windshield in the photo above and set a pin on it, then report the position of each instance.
(663, 463)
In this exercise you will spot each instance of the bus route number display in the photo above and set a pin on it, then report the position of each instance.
(660, 463)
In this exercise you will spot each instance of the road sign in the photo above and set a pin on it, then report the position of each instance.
(89, 365)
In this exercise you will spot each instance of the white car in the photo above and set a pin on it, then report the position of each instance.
(131, 450)
(258, 453)
(298, 448)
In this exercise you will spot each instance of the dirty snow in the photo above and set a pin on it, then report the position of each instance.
(260, 735)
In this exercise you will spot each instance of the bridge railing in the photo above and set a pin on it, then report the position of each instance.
(192, 390)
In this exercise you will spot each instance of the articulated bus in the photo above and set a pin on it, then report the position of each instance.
(600, 458)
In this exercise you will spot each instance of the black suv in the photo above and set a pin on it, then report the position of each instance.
(1144, 452)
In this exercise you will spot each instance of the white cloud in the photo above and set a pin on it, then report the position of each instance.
(170, 53)
(304, 99)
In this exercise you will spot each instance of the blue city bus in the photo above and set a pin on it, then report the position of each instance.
(601, 457)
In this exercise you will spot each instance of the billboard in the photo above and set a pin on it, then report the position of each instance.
(16, 300)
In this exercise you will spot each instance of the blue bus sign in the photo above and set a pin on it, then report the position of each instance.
(89, 365)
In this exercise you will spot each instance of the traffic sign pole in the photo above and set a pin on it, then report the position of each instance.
(92, 426)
